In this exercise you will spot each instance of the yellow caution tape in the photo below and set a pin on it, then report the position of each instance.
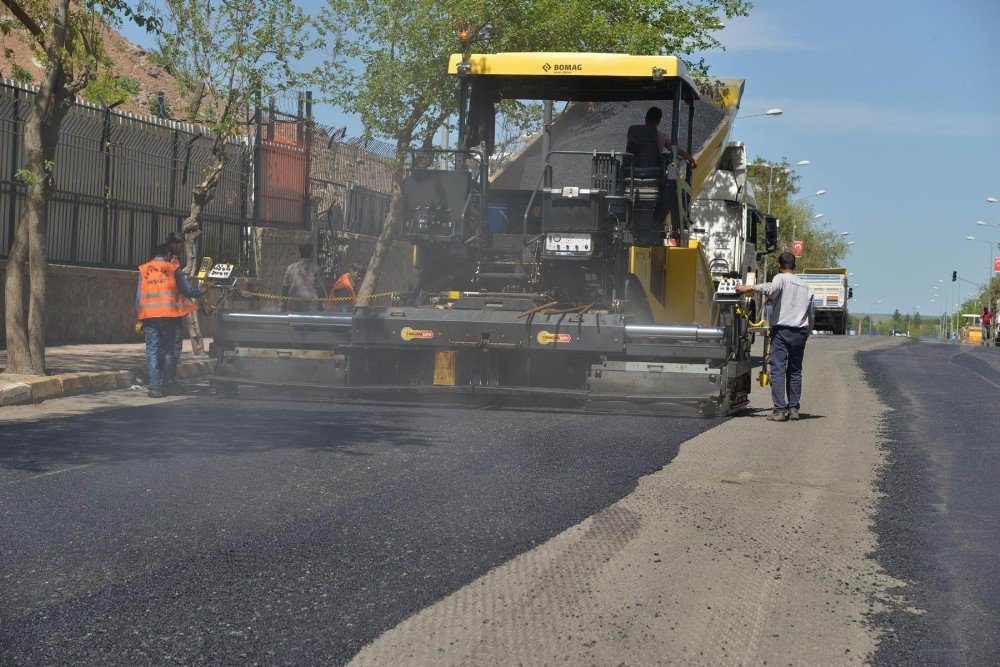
(313, 299)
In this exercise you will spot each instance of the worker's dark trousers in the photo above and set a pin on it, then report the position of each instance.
(788, 346)
(163, 336)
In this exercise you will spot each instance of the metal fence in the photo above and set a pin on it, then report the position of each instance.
(350, 181)
(123, 181)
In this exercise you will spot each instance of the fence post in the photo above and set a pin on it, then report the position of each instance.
(307, 204)
(173, 174)
(257, 170)
(106, 186)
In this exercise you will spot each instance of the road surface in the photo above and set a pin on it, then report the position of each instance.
(206, 530)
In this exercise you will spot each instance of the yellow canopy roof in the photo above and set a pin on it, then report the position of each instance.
(624, 76)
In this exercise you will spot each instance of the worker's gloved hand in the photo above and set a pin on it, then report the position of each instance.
(140, 328)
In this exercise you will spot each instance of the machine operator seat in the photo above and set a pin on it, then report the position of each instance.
(648, 173)
(644, 143)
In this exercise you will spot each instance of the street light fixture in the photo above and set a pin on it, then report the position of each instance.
(769, 112)
(851, 242)
(817, 216)
(845, 233)
(989, 252)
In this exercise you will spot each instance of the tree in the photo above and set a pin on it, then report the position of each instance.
(897, 319)
(822, 247)
(67, 37)
(389, 59)
(235, 50)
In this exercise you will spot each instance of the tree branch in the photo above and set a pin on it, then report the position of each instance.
(26, 21)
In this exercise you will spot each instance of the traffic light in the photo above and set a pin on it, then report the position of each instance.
(954, 276)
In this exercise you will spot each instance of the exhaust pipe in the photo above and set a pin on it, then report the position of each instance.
(336, 320)
(673, 332)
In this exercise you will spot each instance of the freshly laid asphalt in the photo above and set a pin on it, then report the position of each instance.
(208, 530)
(938, 524)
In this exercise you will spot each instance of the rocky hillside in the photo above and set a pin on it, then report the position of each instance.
(134, 75)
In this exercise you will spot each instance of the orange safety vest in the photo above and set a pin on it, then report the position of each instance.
(158, 293)
(344, 283)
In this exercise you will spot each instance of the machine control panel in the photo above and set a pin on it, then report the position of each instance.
(727, 289)
(568, 244)
(222, 275)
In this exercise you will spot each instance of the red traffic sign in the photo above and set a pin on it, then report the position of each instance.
(797, 248)
(996, 264)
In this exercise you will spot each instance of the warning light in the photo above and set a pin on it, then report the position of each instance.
(463, 36)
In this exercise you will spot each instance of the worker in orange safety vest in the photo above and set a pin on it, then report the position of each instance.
(345, 288)
(163, 297)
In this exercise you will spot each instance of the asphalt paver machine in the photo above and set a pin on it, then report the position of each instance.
(571, 277)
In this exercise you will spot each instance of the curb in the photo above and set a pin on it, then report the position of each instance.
(78, 384)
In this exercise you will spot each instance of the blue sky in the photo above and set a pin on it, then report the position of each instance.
(897, 105)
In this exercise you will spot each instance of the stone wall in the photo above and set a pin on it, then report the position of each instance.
(87, 305)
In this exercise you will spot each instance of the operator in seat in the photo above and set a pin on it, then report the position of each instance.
(653, 118)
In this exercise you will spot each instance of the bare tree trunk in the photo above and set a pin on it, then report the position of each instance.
(201, 195)
(18, 357)
(26, 339)
(390, 228)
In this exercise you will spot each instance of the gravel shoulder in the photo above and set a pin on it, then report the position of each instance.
(752, 545)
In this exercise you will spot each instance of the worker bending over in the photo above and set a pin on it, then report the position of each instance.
(162, 299)
(792, 318)
(345, 289)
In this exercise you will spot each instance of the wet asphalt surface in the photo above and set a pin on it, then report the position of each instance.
(939, 522)
(241, 531)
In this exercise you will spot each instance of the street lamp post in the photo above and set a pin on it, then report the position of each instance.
(770, 188)
(989, 246)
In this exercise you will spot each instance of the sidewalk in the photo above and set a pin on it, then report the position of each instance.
(86, 369)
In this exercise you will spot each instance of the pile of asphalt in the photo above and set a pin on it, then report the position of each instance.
(602, 127)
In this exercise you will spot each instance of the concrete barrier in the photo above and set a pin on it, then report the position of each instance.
(15, 394)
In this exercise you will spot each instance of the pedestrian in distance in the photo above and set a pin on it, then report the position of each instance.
(345, 290)
(986, 320)
(791, 320)
(162, 299)
(300, 288)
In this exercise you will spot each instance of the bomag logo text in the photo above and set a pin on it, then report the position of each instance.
(563, 68)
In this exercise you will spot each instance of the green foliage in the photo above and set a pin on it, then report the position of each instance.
(107, 88)
(985, 295)
(822, 246)
(158, 107)
(20, 74)
(164, 57)
(387, 60)
(235, 48)
(28, 177)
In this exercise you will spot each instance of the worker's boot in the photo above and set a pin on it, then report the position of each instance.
(793, 414)
(777, 416)
(155, 392)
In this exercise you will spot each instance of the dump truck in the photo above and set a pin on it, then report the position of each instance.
(571, 277)
(726, 221)
(830, 294)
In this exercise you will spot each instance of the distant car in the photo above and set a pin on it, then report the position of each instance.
(897, 332)
(852, 332)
